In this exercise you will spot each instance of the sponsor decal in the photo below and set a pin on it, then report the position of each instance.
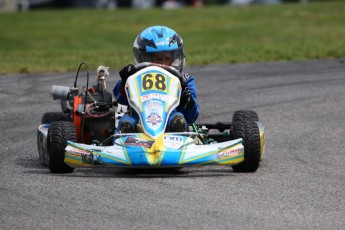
(138, 142)
(77, 152)
(229, 153)
(154, 96)
(162, 43)
(86, 155)
(164, 97)
(91, 159)
(174, 142)
(154, 119)
(145, 97)
(154, 109)
(153, 105)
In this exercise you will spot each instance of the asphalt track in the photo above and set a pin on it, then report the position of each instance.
(299, 185)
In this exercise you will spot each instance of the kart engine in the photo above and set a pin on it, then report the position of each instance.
(90, 110)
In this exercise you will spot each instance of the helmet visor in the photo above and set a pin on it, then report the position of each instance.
(174, 58)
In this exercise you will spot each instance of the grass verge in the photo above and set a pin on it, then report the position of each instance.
(58, 40)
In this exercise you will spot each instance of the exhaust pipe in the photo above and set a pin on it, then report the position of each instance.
(60, 92)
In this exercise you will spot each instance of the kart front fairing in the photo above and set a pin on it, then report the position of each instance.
(154, 93)
(168, 150)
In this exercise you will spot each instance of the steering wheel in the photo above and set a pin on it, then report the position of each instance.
(168, 68)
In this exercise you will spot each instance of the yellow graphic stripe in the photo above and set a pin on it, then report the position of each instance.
(197, 157)
(73, 159)
(138, 93)
(161, 148)
(231, 160)
(168, 93)
(147, 151)
(206, 155)
(262, 144)
(155, 154)
(126, 153)
(104, 155)
(183, 151)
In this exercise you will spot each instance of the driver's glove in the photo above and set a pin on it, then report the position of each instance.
(127, 71)
(186, 100)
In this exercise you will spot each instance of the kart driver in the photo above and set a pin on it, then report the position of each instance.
(162, 45)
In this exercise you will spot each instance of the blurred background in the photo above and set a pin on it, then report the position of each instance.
(24, 5)
(56, 35)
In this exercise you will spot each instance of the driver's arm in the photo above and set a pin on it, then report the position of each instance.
(191, 114)
(120, 94)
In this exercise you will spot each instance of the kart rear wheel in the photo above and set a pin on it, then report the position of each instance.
(48, 118)
(58, 134)
(248, 130)
(245, 115)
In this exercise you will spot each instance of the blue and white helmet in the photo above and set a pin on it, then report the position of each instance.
(157, 39)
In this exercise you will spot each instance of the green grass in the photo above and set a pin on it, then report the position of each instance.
(57, 41)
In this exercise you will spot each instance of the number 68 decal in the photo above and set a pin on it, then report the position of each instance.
(154, 81)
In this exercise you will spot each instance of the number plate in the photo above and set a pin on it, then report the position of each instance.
(154, 81)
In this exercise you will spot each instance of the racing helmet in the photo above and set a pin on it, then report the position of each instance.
(159, 39)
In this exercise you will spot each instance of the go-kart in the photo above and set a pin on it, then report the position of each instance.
(153, 92)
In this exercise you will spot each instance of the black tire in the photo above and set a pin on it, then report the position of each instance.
(248, 130)
(245, 115)
(48, 118)
(58, 134)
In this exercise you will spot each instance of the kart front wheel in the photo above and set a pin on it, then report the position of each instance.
(248, 130)
(58, 134)
(241, 115)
